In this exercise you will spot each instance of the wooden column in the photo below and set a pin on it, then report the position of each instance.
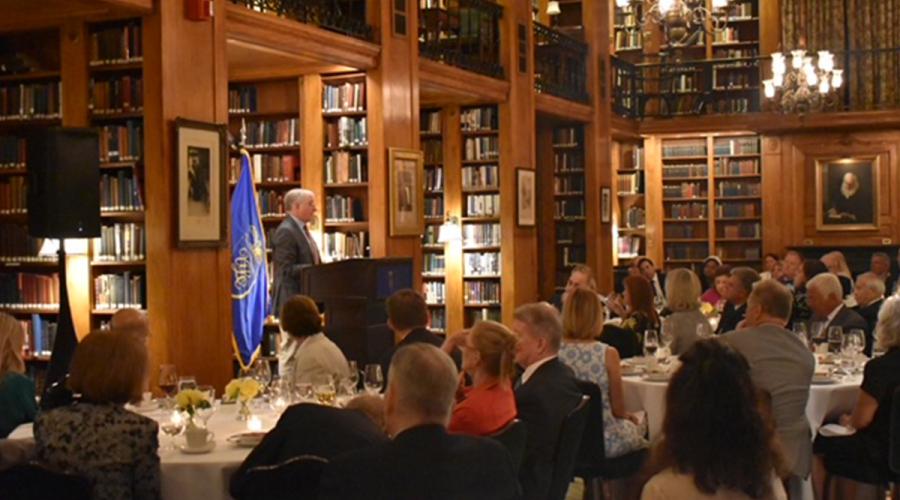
(519, 255)
(453, 201)
(546, 211)
(188, 291)
(312, 158)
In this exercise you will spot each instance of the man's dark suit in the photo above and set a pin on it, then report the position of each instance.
(426, 463)
(416, 335)
(731, 316)
(850, 318)
(292, 251)
(309, 429)
(543, 402)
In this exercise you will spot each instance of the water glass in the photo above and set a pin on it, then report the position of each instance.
(667, 333)
(374, 379)
(303, 392)
(802, 333)
(187, 382)
(173, 427)
(324, 390)
(817, 332)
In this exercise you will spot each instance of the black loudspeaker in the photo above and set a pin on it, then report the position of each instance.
(63, 183)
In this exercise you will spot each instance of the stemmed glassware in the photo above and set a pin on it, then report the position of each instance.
(374, 379)
(802, 333)
(835, 339)
(173, 427)
(168, 382)
(853, 343)
(651, 343)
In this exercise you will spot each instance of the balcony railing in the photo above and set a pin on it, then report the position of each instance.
(347, 17)
(732, 86)
(462, 33)
(559, 64)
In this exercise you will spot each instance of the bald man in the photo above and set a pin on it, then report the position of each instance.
(130, 320)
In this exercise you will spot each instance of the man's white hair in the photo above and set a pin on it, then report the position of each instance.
(297, 195)
(827, 284)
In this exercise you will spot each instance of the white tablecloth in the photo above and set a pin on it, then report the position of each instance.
(204, 476)
(824, 400)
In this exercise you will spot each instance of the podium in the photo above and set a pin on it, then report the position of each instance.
(352, 293)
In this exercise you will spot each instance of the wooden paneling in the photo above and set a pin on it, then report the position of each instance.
(19, 15)
(312, 160)
(773, 123)
(444, 84)
(563, 109)
(546, 225)
(453, 201)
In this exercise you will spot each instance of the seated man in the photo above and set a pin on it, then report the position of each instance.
(310, 429)
(422, 460)
(826, 301)
(131, 320)
(408, 319)
(869, 295)
(781, 365)
(545, 393)
(739, 286)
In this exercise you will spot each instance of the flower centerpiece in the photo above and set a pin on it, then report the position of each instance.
(243, 390)
(191, 401)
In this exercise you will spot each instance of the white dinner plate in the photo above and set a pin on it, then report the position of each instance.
(817, 380)
(246, 439)
(196, 451)
(656, 377)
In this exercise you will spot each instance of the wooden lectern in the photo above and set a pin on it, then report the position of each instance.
(352, 294)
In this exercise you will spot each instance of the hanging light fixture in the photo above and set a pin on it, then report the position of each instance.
(553, 8)
(680, 19)
(810, 84)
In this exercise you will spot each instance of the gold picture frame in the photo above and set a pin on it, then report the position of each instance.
(847, 193)
(201, 188)
(407, 190)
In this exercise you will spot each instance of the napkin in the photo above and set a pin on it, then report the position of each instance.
(835, 430)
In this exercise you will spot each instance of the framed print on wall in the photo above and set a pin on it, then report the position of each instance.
(847, 194)
(201, 190)
(526, 213)
(407, 192)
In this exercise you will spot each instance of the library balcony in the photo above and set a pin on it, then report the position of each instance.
(347, 17)
(462, 33)
(559, 64)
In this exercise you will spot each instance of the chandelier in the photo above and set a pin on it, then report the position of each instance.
(807, 85)
(680, 19)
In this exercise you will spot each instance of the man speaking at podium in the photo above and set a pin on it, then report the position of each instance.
(293, 246)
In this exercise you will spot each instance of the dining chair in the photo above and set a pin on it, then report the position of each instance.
(512, 437)
(567, 445)
(34, 481)
(296, 478)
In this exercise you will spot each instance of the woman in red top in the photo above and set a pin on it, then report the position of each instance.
(488, 404)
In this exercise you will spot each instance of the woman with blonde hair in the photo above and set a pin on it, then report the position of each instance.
(17, 405)
(683, 292)
(488, 404)
(837, 265)
(597, 362)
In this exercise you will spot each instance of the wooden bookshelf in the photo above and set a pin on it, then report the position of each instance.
(569, 188)
(434, 282)
(629, 205)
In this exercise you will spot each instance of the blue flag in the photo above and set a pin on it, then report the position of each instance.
(249, 283)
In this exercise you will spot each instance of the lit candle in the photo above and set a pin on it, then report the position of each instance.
(254, 424)
(176, 418)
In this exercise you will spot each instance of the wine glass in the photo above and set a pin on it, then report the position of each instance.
(173, 427)
(353, 376)
(374, 379)
(835, 339)
(303, 391)
(651, 343)
(817, 332)
(261, 371)
(854, 343)
(667, 334)
(324, 390)
(187, 382)
(802, 333)
(168, 381)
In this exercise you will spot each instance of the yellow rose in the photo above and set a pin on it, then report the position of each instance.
(249, 388)
(191, 399)
(232, 389)
(707, 309)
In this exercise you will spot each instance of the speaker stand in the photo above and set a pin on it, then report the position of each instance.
(65, 341)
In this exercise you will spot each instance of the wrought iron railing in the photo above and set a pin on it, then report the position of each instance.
(559, 64)
(462, 33)
(347, 17)
(725, 86)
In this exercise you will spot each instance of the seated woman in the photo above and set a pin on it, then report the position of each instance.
(710, 266)
(597, 362)
(714, 296)
(489, 404)
(17, 404)
(638, 316)
(863, 456)
(807, 271)
(836, 264)
(683, 292)
(770, 264)
(307, 354)
(97, 437)
(716, 443)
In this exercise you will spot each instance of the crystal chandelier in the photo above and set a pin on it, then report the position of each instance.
(680, 19)
(808, 85)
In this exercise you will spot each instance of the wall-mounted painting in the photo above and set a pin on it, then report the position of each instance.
(201, 186)
(847, 194)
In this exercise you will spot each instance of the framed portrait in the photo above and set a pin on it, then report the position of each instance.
(847, 194)
(605, 205)
(526, 212)
(201, 190)
(407, 192)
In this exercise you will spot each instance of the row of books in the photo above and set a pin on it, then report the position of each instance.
(687, 211)
(267, 168)
(18, 246)
(732, 188)
(342, 167)
(569, 256)
(13, 195)
(434, 179)
(435, 292)
(725, 166)
(737, 209)
(433, 263)
(118, 290)
(434, 151)
(438, 320)
(119, 192)
(117, 94)
(570, 207)
(481, 264)
(734, 53)
(632, 183)
(347, 97)
(430, 122)
(628, 246)
(481, 148)
(685, 170)
(121, 142)
(474, 119)
(737, 146)
(122, 241)
(346, 132)
(742, 252)
(565, 136)
(685, 82)
(117, 44)
(568, 184)
(682, 149)
(481, 177)
(684, 231)
(29, 290)
(684, 190)
(481, 292)
(434, 207)
(473, 315)
(742, 10)
(633, 158)
(271, 202)
(243, 99)
(481, 235)
(634, 218)
(40, 333)
(430, 236)
(12, 151)
(570, 234)
(341, 208)
(730, 34)
(685, 251)
(739, 230)
(564, 161)
(628, 39)
(30, 100)
(483, 205)
(731, 79)
(271, 133)
(733, 105)
(340, 246)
